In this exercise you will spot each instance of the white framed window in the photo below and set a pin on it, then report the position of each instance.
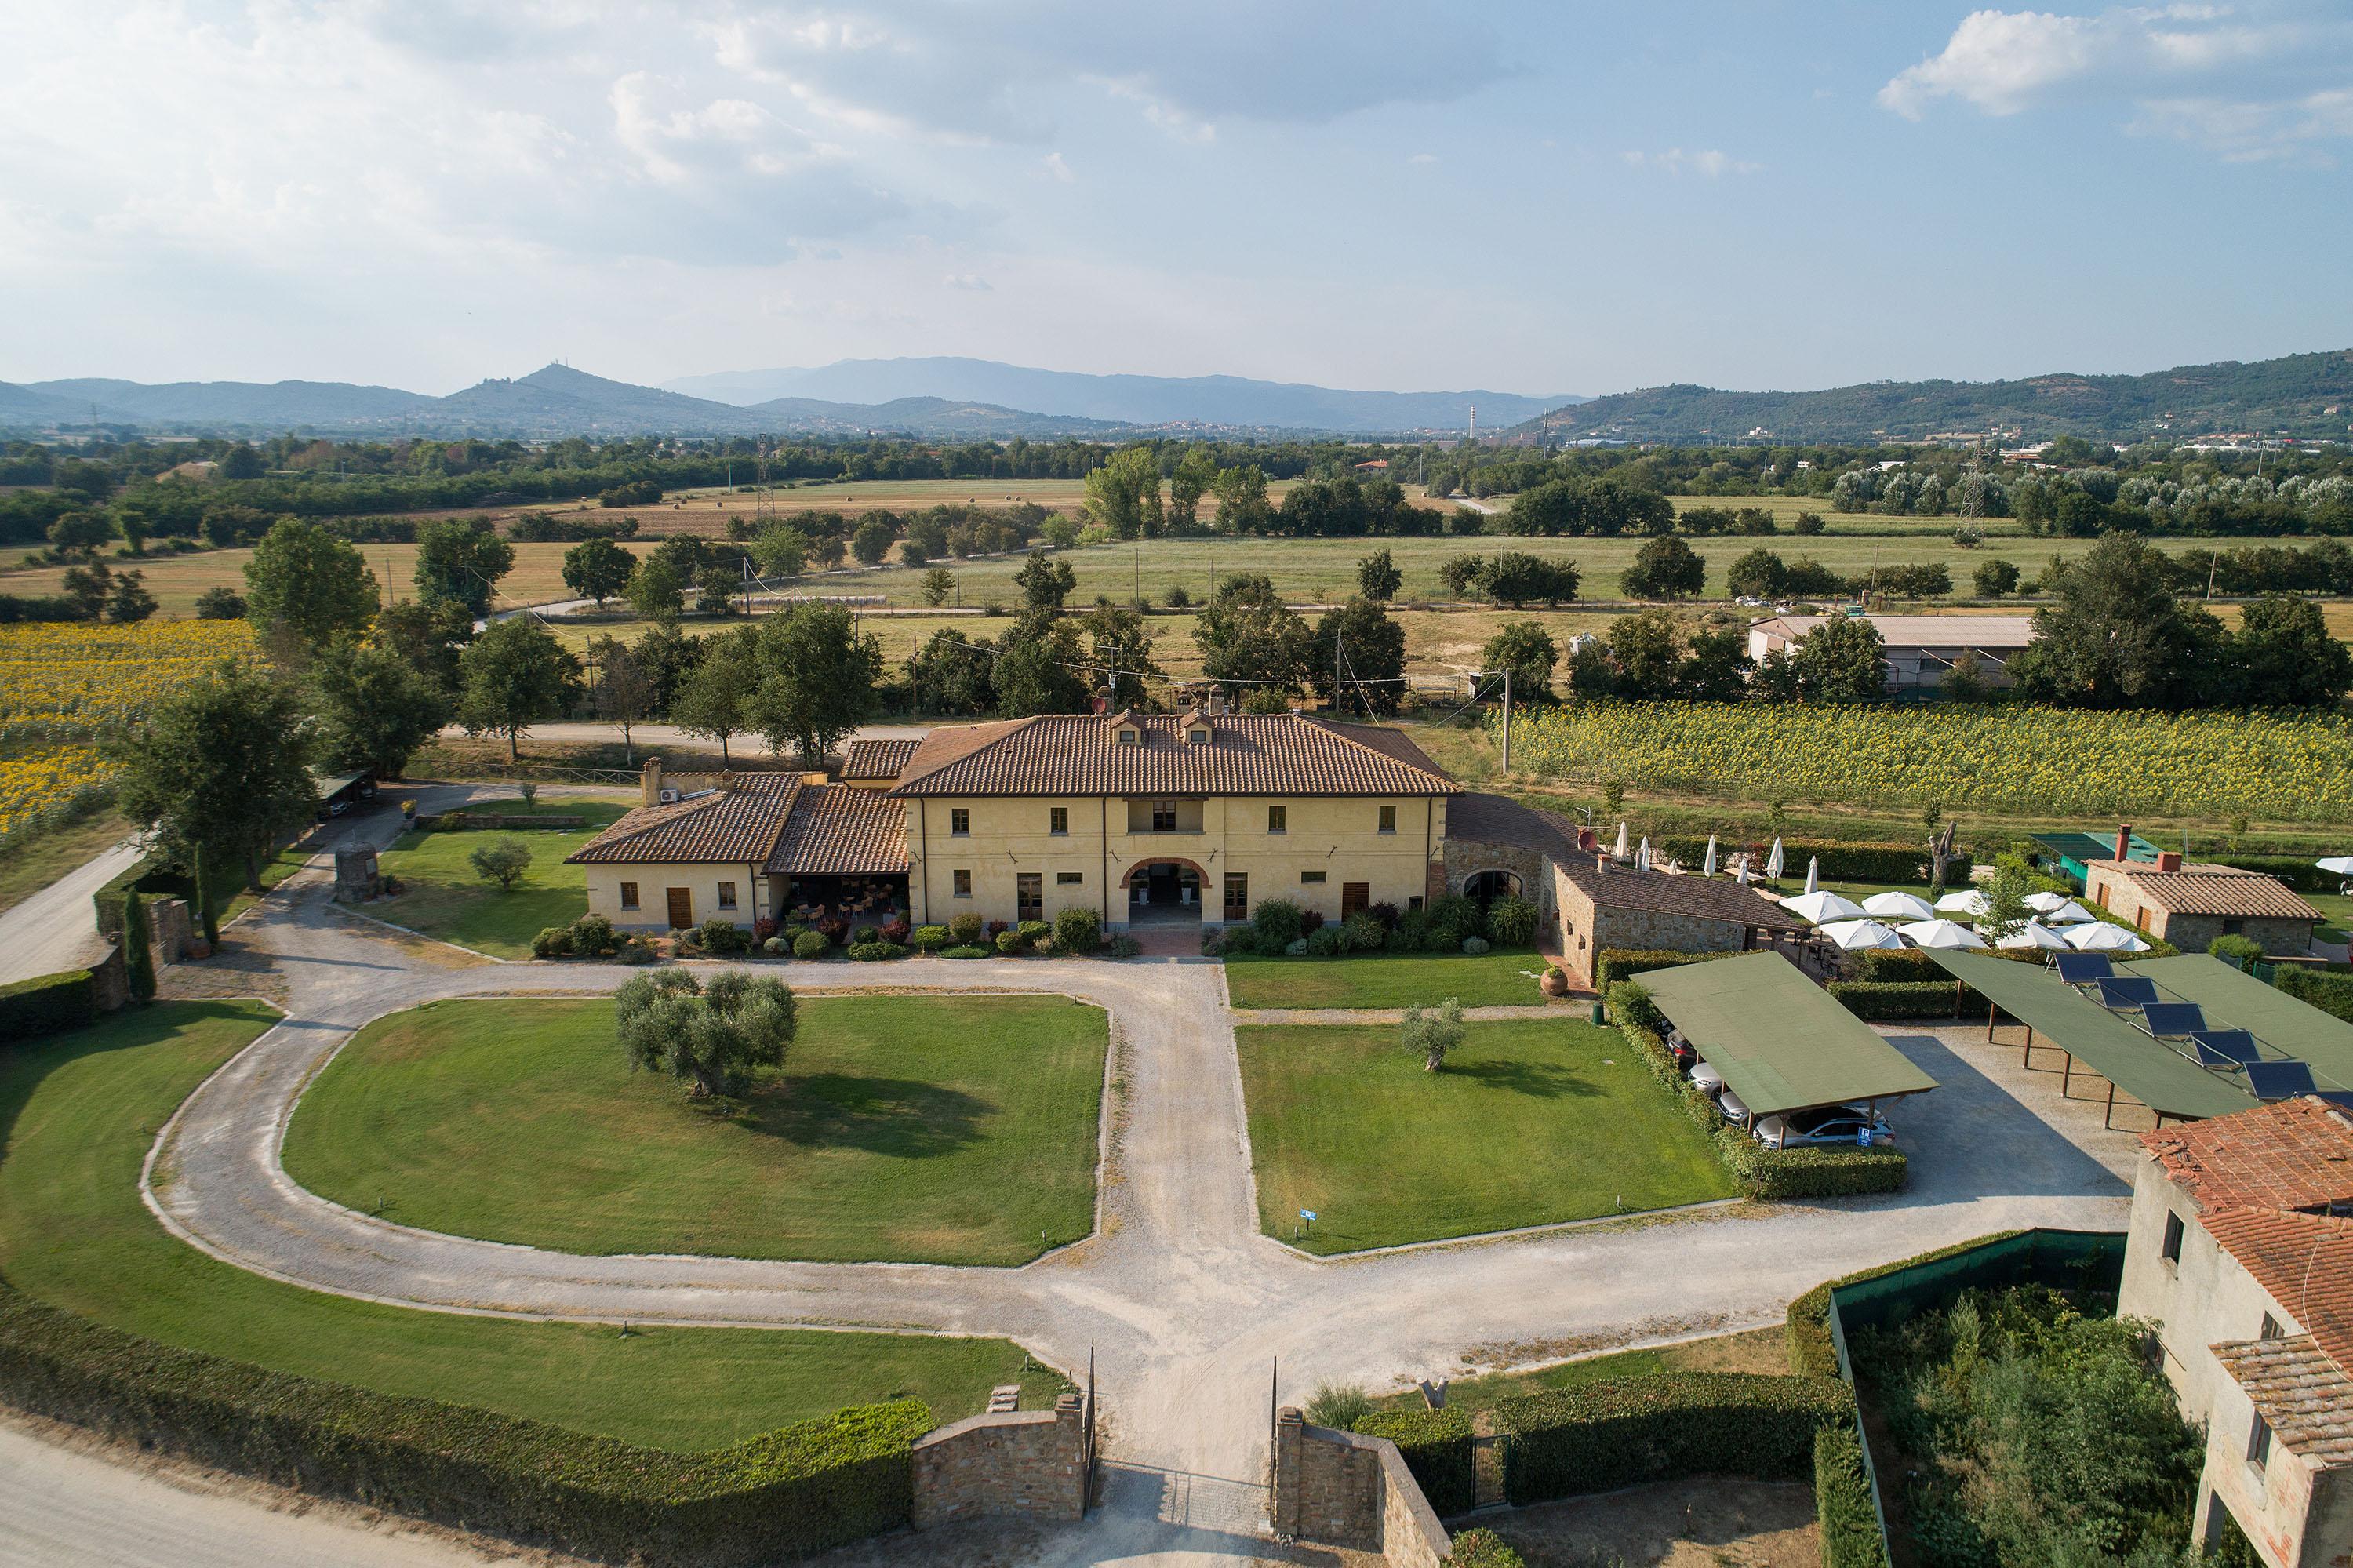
(1388, 819)
(1070, 879)
(727, 895)
(959, 821)
(628, 895)
(1278, 818)
(1311, 877)
(1058, 821)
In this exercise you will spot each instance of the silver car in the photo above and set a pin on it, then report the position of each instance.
(1824, 1124)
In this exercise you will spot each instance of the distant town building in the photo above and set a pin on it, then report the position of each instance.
(1920, 649)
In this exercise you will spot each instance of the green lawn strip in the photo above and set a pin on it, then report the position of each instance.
(1485, 1392)
(1387, 980)
(1531, 1123)
(78, 1113)
(442, 896)
(923, 1129)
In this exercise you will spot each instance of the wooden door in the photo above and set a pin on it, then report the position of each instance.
(1354, 896)
(681, 908)
(1029, 895)
(1236, 895)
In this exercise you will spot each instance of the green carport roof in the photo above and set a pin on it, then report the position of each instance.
(2148, 1069)
(1781, 1042)
(2233, 998)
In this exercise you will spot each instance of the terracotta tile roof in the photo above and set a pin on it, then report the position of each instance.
(1246, 754)
(1700, 897)
(2305, 1261)
(1498, 820)
(2296, 1154)
(878, 758)
(838, 830)
(736, 825)
(2302, 1392)
(2212, 890)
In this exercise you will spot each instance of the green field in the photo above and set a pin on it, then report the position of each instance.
(1530, 1124)
(442, 896)
(1387, 980)
(918, 1129)
(79, 1114)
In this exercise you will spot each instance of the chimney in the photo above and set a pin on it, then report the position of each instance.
(653, 783)
(2124, 842)
(1602, 860)
(2169, 860)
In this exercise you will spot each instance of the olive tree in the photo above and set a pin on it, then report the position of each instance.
(1432, 1033)
(713, 1035)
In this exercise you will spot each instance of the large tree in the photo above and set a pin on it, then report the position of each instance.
(1125, 493)
(1044, 582)
(2283, 656)
(1359, 647)
(1042, 670)
(1247, 633)
(621, 690)
(1664, 568)
(1527, 650)
(1196, 475)
(375, 707)
(2116, 637)
(714, 1036)
(1845, 660)
(309, 581)
(657, 588)
(954, 675)
(515, 674)
(461, 562)
(1119, 646)
(428, 634)
(711, 699)
(1377, 577)
(223, 762)
(817, 675)
(598, 568)
(1241, 500)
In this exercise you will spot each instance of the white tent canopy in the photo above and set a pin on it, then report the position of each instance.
(1898, 906)
(1939, 934)
(1816, 908)
(1855, 935)
(2033, 934)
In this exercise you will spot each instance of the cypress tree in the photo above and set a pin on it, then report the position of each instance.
(207, 908)
(138, 960)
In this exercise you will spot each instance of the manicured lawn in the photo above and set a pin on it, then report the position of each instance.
(923, 1129)
(442, 894)
(1754, 1350)
(1388, 980)
(78, 1113)
(1531, 1123)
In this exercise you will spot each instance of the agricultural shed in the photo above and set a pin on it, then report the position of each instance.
(2070, 853)
(1781, 1042)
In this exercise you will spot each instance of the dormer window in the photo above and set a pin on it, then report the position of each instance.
(1130, 736)
(1199, 735)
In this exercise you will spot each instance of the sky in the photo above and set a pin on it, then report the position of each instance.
(1534, 197)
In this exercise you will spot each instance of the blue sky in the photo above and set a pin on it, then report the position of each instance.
(1534, 197)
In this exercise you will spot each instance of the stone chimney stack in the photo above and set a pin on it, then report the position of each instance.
(2124, 842)
(652, 780)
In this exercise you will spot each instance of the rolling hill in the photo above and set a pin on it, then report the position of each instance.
(2304, 395)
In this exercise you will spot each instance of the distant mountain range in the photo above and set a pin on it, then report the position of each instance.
(1149, 401)
(2306, 396)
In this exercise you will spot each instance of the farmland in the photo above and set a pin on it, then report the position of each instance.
(2281, 767)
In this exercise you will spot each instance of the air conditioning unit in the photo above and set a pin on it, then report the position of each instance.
(670, 797)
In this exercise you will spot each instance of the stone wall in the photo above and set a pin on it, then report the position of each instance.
(1586, 930)
(1029, 1462)
(1466, 858)
(1338, 1489)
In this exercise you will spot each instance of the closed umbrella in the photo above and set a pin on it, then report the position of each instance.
(1966, 901)
(1898, 906)
(2032, 935)
(1619, 853)
(2068, 914)
(1741, 876)
(1642, 855)
(2102, 937)
(1856, 935)
(1773, 862)
(1707, 867)
(1816, 908)
(1939, 934)
(1813, 873)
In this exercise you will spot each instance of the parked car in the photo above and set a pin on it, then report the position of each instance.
(1710, 1082)
(1707, 1080)
(1824, 1124)
(1735, 1110)
(1680, 1050)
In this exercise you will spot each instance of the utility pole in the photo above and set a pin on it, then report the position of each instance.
(1507, 722)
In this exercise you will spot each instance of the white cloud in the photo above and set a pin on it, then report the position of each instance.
(2261, 79)
(1422, 160)
(1706, 162)
(1059, 169)
(972, 282)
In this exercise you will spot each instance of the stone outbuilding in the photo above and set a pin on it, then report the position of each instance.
(2190, 905)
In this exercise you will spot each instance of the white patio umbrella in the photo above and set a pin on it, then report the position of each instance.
(1642, 855)
(1619, 852)
(2033, 934)
(1741, 876)
(2342, 864)
(1898, 906)
(1773, 862)
(1813, 873)
(1816, 908)
(1964, 901)
(1939, 934)
(1707, 867)
(2068, 914)
(2102, 937)
(1856, 935)
(2043, 903)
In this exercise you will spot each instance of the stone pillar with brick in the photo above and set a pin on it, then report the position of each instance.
(1341, 1488)
(1027, 1462)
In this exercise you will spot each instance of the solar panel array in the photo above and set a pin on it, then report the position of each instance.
(2167, 1019)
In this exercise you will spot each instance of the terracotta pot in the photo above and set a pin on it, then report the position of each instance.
(1554, 983)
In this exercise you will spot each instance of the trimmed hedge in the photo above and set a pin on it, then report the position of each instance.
(876, 952)
(1868, 861)
(799, 1489)
(1611, 965)
(1767, 1175)
(1437, 1447)
(1850, 1524)
(47, 1004)
(1625, 1431)
(2333, 994)
(1807, 1323)
(1887, 1000)
(1891, 965)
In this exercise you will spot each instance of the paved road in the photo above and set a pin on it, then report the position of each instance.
(56, 929)
(1183, 1299)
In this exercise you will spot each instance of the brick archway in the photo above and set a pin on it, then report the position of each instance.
(1143, 865)
(1490, 883)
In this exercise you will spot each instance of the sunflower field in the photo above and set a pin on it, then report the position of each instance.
(2036, 761)
(64, 686)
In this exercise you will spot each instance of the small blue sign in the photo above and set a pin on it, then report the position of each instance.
(1307, 1214)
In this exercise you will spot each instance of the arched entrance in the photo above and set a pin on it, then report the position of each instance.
(1164, 893)
(1484, 887)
